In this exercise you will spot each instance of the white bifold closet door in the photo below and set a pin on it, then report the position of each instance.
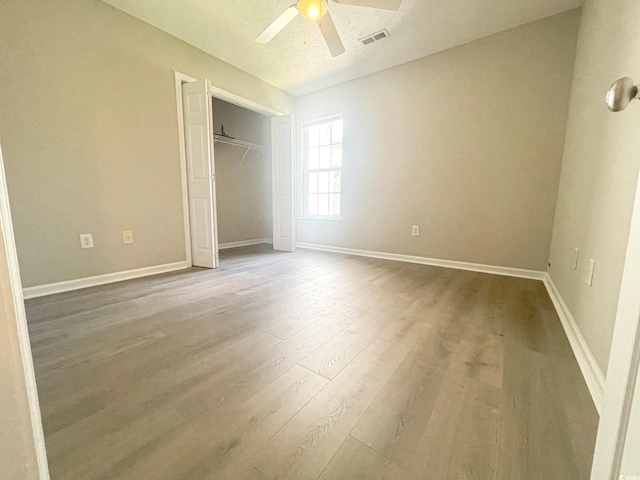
(282, 143)
(198, 130)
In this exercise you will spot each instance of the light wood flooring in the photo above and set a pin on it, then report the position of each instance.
(310, 366)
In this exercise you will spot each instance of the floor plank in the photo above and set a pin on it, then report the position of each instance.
(356, 460)
(536, 436)
(468, 449)
(337, 353)
(304, 447)
(395, 422)
(232, 440)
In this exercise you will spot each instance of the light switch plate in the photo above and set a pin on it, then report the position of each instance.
(127, 236)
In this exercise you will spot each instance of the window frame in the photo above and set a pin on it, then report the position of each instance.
(306, 216)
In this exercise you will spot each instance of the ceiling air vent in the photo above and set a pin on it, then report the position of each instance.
(375, 37)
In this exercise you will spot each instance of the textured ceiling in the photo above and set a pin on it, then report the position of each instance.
(297, 60)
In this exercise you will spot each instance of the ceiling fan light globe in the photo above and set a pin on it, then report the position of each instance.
(312, 9)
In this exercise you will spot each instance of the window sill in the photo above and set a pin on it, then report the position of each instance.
(320, 219)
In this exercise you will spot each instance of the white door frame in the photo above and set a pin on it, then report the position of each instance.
(11, 298)
(624, 362)
(181, 78)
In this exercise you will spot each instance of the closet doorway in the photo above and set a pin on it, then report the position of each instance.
(252, 133)
(242, 162)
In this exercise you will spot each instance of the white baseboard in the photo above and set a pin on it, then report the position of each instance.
(591, 371)
(244, 243)
(69, 285)
(436, 262)
(66, 286)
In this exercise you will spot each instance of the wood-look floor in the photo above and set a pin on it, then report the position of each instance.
(310, 366)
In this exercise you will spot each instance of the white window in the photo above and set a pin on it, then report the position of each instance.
(322, 154)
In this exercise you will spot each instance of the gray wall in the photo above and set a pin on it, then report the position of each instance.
(88, 124)
(466, 143)
(243, 190)
(599, 172)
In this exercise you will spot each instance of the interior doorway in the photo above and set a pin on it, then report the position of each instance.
(195, 102)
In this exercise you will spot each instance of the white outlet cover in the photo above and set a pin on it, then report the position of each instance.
(86, 240)
(415, 230)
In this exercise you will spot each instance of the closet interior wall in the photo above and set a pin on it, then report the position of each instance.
(243, 187)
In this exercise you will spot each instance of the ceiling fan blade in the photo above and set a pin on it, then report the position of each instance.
(277, 25)
(331, 36)
(383, 4)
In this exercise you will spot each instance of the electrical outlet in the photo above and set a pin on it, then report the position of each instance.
(127, 236)
(86, 240)
(575, 258)
(415, 230)
(592, 267)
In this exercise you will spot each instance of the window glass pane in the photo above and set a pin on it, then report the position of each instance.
(323, 204)
(323, 182)
(314, 158)
(314, 135)
(313, 183)
(336, 131)
(312, 206)
(336, 156)
(325, 156)
(325, 134)
(335, 181)
(335, 204)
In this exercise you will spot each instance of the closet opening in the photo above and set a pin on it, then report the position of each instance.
(243, 177)
(237, 172)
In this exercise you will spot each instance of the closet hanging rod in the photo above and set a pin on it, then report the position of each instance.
(238, 143)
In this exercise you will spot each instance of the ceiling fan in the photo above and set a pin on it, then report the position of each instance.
(317, 11)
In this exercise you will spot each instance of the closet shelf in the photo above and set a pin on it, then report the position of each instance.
(238, 143)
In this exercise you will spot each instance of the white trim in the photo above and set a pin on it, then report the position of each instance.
(21, 324)
(244, 243)
(320, 121)
(589, 367)
(318, 219)
(221, 94)
(436, 262)
(181, 78)
(624, 363)
(66, 286)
